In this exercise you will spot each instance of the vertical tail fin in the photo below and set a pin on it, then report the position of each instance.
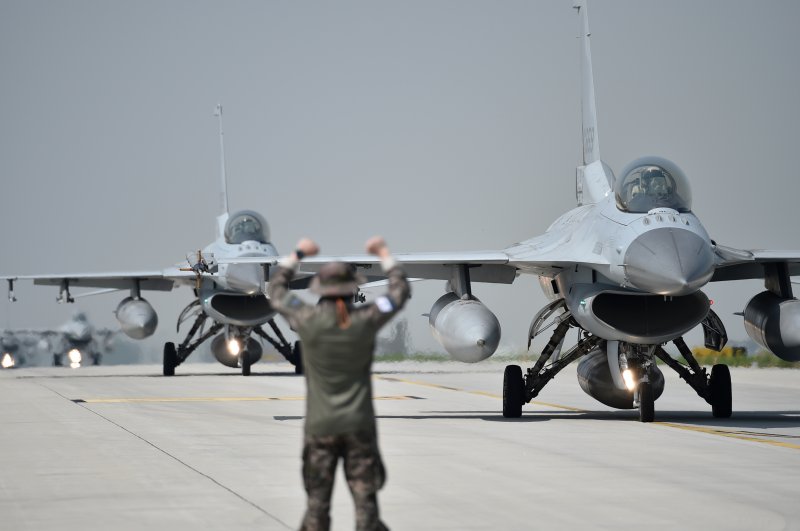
(591, 146)
(222, 218)
(594, 178)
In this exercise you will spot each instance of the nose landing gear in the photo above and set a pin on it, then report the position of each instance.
(645, 401)
(637, 363)
(244, 362)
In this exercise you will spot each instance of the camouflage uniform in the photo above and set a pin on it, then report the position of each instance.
(337, 361)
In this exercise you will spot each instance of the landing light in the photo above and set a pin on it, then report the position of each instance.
(75, 357)
(234, 347)
(8, 361)
(627, 375)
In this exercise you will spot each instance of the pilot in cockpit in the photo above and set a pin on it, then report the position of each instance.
(246, 225)
(654, 190)
(652, 182)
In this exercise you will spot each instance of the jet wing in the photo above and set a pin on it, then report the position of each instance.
(484, 266)
(163, 280)
(740, 264)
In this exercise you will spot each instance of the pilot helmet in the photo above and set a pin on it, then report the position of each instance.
(654, 180)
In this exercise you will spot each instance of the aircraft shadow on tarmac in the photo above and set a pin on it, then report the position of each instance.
(439, 415)
(233, 374)
(739, 419)
(742, 419)
(490, 416)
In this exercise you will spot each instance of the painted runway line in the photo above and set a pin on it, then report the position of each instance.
(215, 399)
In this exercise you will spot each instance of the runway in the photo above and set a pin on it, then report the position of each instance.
(121, 447)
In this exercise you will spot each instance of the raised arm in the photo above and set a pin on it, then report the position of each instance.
(386, 306)
(281, 298)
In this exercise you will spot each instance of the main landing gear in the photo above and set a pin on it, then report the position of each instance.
(293, 354)
(637, 360)
(175, 355)
(519, 389)
(714, 388)
(170, 359)
(513, 391)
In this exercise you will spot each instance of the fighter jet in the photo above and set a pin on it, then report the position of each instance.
(626, 268)
(76, 341)
(231, 303)
(73, 340)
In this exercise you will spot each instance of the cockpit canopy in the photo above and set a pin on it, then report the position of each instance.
(652, 182)
(246, 225)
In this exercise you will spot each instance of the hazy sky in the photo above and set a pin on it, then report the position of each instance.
(443, 125)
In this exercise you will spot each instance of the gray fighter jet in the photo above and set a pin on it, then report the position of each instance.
(74, 340)
(626, 268)
(75, 343)
(231, 303)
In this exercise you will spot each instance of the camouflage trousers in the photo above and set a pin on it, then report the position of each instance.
(363, 469)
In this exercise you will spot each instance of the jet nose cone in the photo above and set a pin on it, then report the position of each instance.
(669, 261)
(246, 278)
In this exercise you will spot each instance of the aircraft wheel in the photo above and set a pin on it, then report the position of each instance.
(721, 395)
(513, 391)
(170, 359)
(647, 406)
(298, 358)
(57, 360)
(244, 361)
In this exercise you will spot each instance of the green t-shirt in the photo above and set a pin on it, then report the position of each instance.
(337, 361)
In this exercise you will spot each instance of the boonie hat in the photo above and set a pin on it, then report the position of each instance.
(336, 279)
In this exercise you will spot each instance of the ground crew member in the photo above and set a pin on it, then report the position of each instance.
(338, 341)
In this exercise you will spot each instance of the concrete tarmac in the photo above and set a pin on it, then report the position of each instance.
(122, 447)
